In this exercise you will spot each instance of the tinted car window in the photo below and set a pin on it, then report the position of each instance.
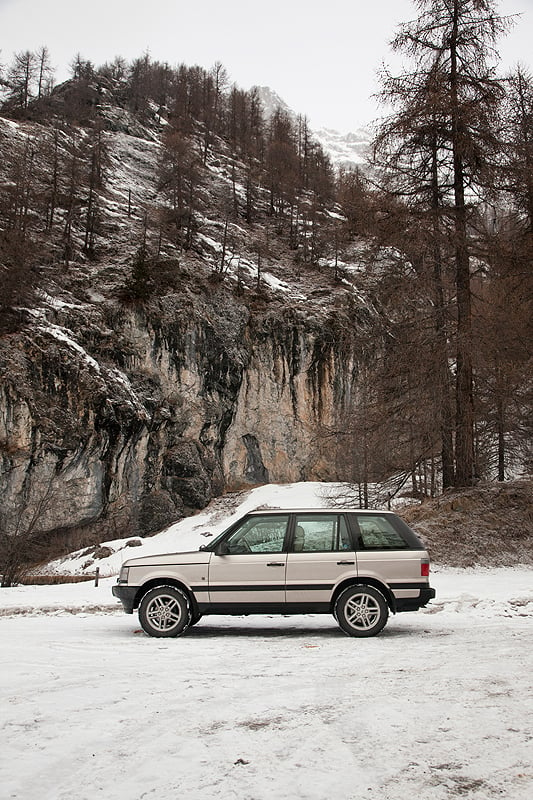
(377, 532)
(318, 533)
(259, 535)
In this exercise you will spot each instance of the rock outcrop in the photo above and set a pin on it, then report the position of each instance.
(122, 419)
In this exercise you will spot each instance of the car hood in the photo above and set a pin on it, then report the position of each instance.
(194, 557)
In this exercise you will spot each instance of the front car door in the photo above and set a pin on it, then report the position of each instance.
(321, 554)
(252, 570)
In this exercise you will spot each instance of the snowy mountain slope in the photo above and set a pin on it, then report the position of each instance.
(190, 533)
(347, 150)
(271, 102)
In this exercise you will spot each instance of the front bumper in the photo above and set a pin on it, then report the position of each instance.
(126, 595)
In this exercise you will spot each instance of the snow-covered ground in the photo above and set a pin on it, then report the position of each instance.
(438, 706)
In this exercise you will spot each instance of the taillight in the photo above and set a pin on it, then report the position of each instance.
(424, 569)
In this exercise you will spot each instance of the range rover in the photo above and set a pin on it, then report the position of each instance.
(357, 565)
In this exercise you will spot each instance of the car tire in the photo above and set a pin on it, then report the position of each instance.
(164, 611)
(361, 611)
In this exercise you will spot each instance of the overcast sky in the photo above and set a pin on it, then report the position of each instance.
(321, 57)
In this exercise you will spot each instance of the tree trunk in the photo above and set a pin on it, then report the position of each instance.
(464, 437)
(444, 388)
(501, 439)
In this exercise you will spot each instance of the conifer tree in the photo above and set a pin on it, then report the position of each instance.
(21, 77)
(44, 72)
(437, 148)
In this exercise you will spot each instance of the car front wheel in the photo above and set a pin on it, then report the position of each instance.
(361, 611)
(164, 611)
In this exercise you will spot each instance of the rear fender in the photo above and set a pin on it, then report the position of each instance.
(366, 581)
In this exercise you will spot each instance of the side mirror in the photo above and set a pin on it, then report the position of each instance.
(222, 549)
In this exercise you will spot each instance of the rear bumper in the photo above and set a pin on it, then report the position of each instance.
(414, 603)
(126, 595)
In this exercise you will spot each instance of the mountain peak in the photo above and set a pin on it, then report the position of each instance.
(344, 149)
(271, 101)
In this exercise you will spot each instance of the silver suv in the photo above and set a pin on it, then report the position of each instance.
(356, 565)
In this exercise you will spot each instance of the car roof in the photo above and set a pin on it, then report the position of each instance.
(325, 510)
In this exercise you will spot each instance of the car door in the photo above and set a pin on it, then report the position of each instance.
(320, 555)
(251, 570)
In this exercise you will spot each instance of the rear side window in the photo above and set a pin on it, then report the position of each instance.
(320, 533)
(384, 532)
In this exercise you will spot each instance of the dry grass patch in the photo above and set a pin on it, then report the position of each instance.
(487, 525)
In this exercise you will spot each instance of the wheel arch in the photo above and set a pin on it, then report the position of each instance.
(361, 580)
(154, 582)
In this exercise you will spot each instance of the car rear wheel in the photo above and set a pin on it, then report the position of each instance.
(361, 611)
(164, 611)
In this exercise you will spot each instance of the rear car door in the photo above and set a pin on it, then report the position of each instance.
(321, 554)
(252, 571)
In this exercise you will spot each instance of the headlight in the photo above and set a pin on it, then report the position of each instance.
(123, 575)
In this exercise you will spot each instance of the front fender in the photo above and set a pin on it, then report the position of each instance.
(190, 577)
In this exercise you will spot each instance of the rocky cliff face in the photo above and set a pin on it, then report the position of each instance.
(297, 387)
(121, 420)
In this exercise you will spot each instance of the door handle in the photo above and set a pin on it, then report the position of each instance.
(276, 564)
(339, 563)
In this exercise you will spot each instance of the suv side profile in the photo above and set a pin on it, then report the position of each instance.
(357, 565)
